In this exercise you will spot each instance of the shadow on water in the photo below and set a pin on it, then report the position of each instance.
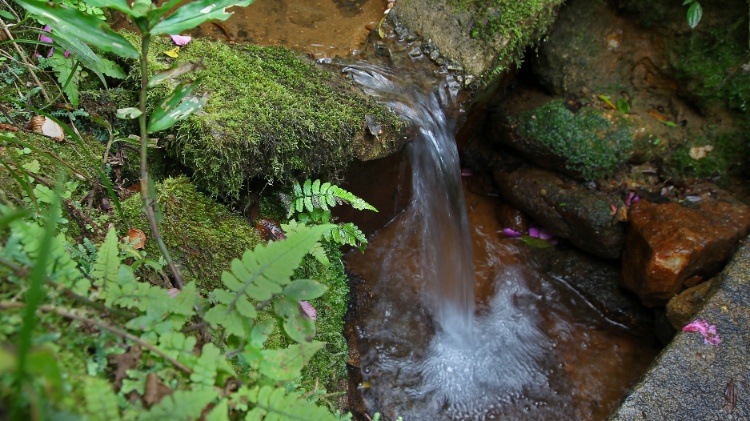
(425, 350)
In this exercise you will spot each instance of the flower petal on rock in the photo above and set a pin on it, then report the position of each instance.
(702, 326)
(508, 232)
(180, 39)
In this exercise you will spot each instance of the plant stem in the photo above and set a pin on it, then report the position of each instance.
(25, 60)
(101, 325)
(148, 201)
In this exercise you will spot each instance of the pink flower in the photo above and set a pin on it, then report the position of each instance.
(180, 39)
(308, 309)
(508, 232)
(632, 198)
(45, 38)
(710, 335)
(173, 292)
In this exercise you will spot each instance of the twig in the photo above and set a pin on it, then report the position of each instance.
(28, 65)
(112, 329)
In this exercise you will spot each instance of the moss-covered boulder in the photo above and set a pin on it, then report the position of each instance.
(485, 37)
(272, 115)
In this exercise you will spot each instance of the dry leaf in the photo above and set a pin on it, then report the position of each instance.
(700, 152)
(174, 52)
(136, 238)
(46, 126)
(123, 363)
(155, 390)
(8, 127)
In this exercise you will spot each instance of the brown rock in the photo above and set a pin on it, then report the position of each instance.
(668, 243)
(682, 307)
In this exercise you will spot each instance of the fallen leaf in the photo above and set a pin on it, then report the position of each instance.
(8, 127)
(123, 363)
(700, 152)
(174, 52)
(46, 126)
(136, 238)
(155, 390)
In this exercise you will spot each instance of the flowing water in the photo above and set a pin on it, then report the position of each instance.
(426, 350)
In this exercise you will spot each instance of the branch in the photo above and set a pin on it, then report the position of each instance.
(101, 325)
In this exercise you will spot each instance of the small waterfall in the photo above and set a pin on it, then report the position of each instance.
(426, 354)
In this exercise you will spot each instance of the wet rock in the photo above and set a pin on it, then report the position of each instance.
(565, 208)
(692, 380)
(598, 282)
(682, 307)
(485, 37)
(669, 245)
(584, 141)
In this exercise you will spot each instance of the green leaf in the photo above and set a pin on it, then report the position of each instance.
(313, 196)
(181, 405)
(623, 105)
(261, 332)
(694, 15)
(286, 364)
(536, 242)
(305, 289)
(194, 13)
(101, 402)
(204, 371)
(276, 404)
(43, 364)
(299, 328)
(178, 106)
(121, 5)
(129, 113)
(219, 411)
(107, 265)
(75, 24)
(6, 15)
(175, 72)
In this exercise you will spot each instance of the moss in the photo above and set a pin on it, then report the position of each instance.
(202, 235)
(727, 156)
(521, 23)
(271, 115)
(592, 143)
(709, 63)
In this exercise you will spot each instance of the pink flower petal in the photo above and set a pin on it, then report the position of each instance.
(709, 332)
(173, 292)
(180, 39)
(544, 234)
(511, 232)
(308, 309)
(534, 232)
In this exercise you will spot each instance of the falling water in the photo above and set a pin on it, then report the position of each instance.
(438, 359)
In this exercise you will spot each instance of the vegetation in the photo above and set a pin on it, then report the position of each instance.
(592, 143)
(96, 327)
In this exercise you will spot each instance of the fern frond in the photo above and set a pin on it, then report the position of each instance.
(101, 401)
(347, 234)
(317, 251)
(107, 262)
(261, 274)
(275, 404)
(182, 405)
(286, 364)
(314, 195)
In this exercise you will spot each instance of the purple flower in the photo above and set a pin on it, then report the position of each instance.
(180, 39)
(45, 38)
(308, 309)
(632, 198)
(508, 232)
(710, 335)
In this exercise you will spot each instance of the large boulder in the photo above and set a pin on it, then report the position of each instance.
(565, 208)
(670, 246)
(484, 37)
(272, 115)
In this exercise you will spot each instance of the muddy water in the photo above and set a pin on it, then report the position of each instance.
(322, 28)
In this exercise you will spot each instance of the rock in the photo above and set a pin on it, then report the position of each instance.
(565, 208)
(598, 282)
(668, 244)
(692, 380)
(485, 37)
(682, 307)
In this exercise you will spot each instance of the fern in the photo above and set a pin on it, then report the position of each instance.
(183, 405)
(101, 401)
(278, 405)
(261, 274)
(313, 195)
(107, 263)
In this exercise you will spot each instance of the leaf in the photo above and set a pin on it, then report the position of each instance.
(286, 364)
(204, 371)
(107, 265)
(261, 332)
(276, 404)
(175, 72)
(6, 15)
(313, 195)
(75, 24)
(173, 53)
(194, 13)
(299, 328)
(536, 242)
(181, 405)
(178, 106)
(623, 105)
(121, 5)
(305, 289)
(219, 411)
(694, 15)
(101, 402)
(129, 113)
(606, 100)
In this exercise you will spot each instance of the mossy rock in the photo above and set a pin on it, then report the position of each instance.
(486, 37)
(272, 115)
(588, 144)
(202, 236)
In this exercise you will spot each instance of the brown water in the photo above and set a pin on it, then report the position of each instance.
(323, 28)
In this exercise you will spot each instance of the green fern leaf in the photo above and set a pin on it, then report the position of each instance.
(219, 412)
(107, 262)
(101, 401)
(182, 405)
(286, 364)
(261, 273)
(305, 289)
(313, 195)
(275, 404)
(204, 371)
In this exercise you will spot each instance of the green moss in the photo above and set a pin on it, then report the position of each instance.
(592, 143)
(728, 154)
(521, 23)
(709, 64)
(271, 116)
(202, 235)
